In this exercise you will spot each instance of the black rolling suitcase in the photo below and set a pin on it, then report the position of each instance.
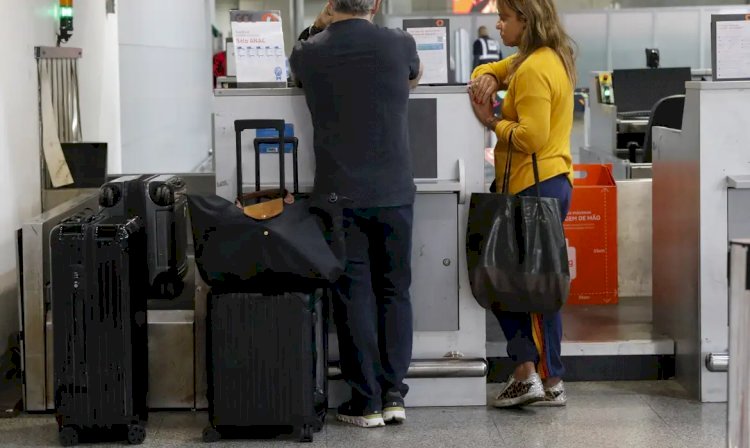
(99, 328)
(161, 202)
(267, 363)
(267, 346)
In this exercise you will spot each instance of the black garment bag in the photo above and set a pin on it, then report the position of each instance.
(291, 248)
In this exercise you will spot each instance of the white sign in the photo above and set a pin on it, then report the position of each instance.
(432, 47)
(733, 49)
(259, 52)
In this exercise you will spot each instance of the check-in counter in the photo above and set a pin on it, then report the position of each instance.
(699, 204)
(447, 144)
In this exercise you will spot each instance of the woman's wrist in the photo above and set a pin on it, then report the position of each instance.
(491, 122)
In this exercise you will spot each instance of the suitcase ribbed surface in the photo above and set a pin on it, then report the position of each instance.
(99, 324)
(261, 361)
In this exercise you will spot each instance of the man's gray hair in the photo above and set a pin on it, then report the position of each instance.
(356, 7)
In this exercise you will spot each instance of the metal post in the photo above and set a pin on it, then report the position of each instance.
(298, 12)
(738, 415)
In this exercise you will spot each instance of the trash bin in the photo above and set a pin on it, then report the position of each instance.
(591, 231)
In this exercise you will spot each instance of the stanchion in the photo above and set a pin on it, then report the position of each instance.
(738, 416)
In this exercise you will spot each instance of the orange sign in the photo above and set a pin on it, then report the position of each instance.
(269, 17)
(474, 6)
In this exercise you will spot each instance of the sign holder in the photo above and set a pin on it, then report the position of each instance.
(730, 47)
(433, 46)
(258, 44)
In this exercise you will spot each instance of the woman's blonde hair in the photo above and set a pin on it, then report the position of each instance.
(543, 29)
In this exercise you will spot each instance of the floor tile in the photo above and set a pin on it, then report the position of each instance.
(179, 429)
(613, 434)
(455, 427)
(695, 423)
(29, 430)
(598, 415)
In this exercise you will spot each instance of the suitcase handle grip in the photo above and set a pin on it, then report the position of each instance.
(294, 141)
(244, 125)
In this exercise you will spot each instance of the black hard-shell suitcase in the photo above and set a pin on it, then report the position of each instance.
(165, 213)
(99, 326)
(267, 358)
(161, 202)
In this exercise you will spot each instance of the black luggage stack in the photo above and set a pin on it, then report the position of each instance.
(100, 328)
(267, 326)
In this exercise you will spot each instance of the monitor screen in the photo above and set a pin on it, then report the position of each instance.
(637, 90)
(423, 137)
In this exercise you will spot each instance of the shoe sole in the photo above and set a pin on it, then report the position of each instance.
(550, 404)
(524, 400)
(395, 415)
(362, 422)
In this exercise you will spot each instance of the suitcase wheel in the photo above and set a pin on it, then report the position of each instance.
(211, 435)
(109, 196)
(306, 434)
(163, 196)
(68, 436)
(136, 434)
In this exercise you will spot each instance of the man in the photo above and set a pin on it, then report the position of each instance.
(486, 49)
(356, 77)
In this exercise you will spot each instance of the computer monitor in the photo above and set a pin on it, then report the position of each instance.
(637, 90)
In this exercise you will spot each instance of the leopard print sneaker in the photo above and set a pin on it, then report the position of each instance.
(555, 396)
(520, 393)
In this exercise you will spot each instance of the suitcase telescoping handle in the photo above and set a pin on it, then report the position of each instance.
(270, 141)
(243, 125)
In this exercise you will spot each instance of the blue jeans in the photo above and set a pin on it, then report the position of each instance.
(537, 338)
(372, 306)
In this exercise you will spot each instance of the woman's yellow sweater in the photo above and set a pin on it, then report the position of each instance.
(538, 109)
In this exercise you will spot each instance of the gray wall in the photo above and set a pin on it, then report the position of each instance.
(413, 6)
(616, 38)
(165, 84)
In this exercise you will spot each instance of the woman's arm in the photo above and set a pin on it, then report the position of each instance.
(533, 101)
(498, 70)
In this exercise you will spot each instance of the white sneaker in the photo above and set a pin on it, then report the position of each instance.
(520, 393)
(394, 412)
(358, 416)
(554, 396)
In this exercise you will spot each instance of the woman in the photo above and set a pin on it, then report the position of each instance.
(538, 113)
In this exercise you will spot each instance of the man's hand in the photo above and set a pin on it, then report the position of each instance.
(413, 83)
(324, 18)
(483, 89)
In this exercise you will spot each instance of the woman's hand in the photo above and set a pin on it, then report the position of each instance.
(485, 114)
(483, 89)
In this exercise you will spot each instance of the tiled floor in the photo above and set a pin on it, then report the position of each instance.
(599, 415)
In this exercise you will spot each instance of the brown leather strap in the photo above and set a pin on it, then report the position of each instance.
(272, 207)
(265, 210)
